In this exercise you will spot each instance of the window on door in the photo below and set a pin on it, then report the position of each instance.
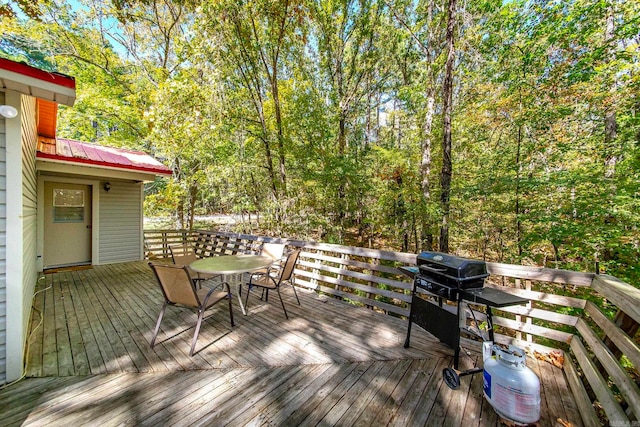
(68, 205)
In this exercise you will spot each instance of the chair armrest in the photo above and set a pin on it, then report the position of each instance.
(273, 279)
(212, 290)
(225, 286)
(206, 298)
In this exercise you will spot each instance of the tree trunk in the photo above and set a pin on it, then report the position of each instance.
(610, 121)
(518, 221)
(275, 93)
(193, 197)
(247, 62)
(180, 213)
(342, 133)
(425, 163)
(425, 168)
(342, 186)
(445, 176)
(279, 126)
(269, 162)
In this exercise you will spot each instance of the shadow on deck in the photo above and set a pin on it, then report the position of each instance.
(89, 362)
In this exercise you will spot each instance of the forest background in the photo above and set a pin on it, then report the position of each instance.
(502, 130)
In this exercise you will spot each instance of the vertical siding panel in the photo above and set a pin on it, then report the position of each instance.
(3, 248)
(19, 210)
(29, 206)
(120, 223)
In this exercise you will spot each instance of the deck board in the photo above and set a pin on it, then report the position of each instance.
(91, 347)
(454, 402)
(79, 356)
(421, 397)
(34, 349)
(329, 364)
(49, 355)
(341, 404)
(275, 396)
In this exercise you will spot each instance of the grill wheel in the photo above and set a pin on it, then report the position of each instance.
(451, 378)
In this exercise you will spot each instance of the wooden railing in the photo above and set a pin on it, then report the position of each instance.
(561, 322)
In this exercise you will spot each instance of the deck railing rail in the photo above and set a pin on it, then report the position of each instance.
(596, 344)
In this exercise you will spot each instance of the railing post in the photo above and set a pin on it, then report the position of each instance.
(315, 272)
(518, 317)
(374, 261)
(165, 245)
(527, 284)
(627, 325)
(340, 276)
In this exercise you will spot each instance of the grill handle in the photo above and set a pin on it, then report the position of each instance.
(444, 271)
(433, 270)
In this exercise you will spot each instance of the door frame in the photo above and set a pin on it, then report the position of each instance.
(95, 219)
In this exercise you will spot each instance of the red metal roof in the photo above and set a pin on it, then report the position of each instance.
(41, 84)
(68, 150)
(27, 70)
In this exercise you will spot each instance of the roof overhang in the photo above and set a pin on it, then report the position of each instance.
(69, 156)
(47, 158)
(47, 120)
(38, 83)
(65, 168)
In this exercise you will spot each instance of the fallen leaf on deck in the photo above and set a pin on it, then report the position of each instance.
(556, 358)
(514, 424)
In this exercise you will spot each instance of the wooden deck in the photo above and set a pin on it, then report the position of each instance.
(330, 364)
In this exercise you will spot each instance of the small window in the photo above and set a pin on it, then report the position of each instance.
(68, 205)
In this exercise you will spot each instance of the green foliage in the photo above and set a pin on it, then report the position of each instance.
(314, 117)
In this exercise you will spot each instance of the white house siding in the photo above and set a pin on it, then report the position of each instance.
(3, 249)
(120, 223)
(29, 207)
(19, 229)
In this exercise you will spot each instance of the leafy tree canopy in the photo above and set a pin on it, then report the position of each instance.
(322, 119)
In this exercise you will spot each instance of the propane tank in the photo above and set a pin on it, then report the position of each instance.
(510, 387)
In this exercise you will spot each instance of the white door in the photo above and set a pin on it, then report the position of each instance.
(67, 224)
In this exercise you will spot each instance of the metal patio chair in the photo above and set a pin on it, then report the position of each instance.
(184, 255)
(179, 289)
(269, 282)
(274, 251)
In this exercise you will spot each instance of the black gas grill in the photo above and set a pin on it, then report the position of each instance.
(440, 277)
(444, 275)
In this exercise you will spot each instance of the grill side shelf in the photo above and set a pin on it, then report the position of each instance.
(410, 271)
(491, 297)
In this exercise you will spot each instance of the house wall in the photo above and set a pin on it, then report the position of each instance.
(20, 200)
(3, 247)
(120, 223)
(29, 207)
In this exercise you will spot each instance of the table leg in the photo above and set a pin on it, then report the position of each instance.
(236, 279)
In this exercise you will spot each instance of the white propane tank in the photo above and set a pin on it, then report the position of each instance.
(510, 387)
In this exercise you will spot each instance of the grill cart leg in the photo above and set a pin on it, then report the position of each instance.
(451, 376)
(490, 322)
(408, 338)
(460, 313)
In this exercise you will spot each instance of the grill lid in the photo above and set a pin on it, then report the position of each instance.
(451, 266)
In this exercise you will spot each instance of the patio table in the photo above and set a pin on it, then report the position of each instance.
(232, 267)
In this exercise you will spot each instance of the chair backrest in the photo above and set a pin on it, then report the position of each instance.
(148, 253)
(176, 284)
(273, 250)
(182, 254)
(289, 265)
